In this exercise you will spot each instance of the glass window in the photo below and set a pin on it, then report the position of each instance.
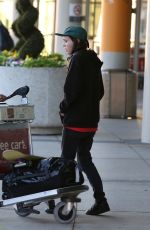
(92, 22)
(46, 23)
(94, 16)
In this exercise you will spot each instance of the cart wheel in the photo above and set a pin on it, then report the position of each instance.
(62, 218)
(21, 211)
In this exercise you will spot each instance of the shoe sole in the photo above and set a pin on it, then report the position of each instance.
(96, 214)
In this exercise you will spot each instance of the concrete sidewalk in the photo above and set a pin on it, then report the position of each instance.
(124, 164)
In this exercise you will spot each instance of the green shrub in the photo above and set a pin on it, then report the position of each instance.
(52, 60)
(2, 59)
(8, 58)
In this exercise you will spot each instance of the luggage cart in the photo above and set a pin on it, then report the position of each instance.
(64, 211)
(15, 127)
(15, 137)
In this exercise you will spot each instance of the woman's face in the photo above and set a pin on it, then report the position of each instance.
(68, 45)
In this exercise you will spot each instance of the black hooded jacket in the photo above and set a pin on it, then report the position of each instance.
(83, 90)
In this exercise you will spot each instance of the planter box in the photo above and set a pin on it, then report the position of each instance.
(46, 92)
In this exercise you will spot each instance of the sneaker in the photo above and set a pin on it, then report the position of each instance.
(99, 208)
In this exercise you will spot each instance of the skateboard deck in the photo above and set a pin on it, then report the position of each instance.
(12, 155)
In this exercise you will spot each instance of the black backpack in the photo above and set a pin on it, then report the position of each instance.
(41, 175)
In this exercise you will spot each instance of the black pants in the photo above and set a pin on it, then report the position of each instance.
(80, 143)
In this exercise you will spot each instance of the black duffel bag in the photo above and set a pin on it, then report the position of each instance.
(41, 175)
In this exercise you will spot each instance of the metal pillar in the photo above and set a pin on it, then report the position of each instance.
(146, 95)
(137, 34)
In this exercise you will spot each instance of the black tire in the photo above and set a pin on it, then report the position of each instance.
(60, 217)
(21, 211)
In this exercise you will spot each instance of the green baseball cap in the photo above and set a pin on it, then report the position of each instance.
(75, 32)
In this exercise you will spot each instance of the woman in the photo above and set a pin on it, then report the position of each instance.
(79, 110)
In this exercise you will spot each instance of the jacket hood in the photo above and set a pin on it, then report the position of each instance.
(89, 55)
(93, 57)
